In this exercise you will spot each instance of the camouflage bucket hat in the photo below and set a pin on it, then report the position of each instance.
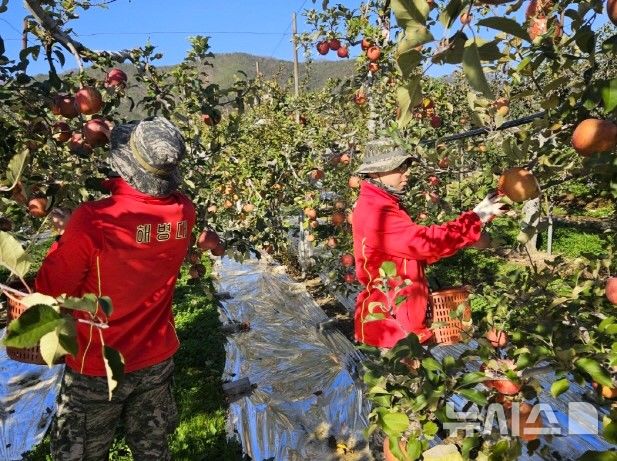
(146, 154)
(381, 156)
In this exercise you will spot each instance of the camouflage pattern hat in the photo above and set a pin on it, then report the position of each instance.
(381, 156)
(146, 154)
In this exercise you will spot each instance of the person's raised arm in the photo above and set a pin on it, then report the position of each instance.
(67, 263)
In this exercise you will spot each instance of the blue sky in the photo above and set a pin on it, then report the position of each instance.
(260, 27)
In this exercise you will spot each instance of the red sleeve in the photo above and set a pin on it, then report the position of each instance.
(402, 237)
(66, 265)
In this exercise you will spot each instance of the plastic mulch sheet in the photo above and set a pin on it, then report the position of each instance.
(27, 404)
(305, 400)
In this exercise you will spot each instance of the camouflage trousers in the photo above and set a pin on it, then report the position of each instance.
(86, 421)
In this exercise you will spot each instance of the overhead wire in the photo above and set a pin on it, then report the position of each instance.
(286, 31)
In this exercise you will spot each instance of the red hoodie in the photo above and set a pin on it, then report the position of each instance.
(383, 231)
(128, 246)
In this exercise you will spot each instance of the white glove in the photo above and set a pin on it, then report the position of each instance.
(490, 207)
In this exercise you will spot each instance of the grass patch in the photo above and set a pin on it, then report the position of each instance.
(198, 389)
(573, 243)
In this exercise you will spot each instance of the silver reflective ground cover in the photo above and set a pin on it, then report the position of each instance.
(306, 395)
(27, 404)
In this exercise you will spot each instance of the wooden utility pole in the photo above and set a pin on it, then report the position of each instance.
(24, 35)
(294, 29)
(257, 69)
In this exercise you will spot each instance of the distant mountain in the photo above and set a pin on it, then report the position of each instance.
(228, 67)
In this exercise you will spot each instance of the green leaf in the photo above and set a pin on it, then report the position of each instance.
(595, 370)
(469, 443)
(429, 429)
(60, 342)
(473, 395)
(394, 424)
(449, 14)
(408, 97)
(374, 317)
(12, 255)
(585, 39)
(106, 305)
(489, 51)
(559, 387)
(87, 303)
(388, 269)
(431, 364)
(609, 95)
(509, 26)
(473, 378)
(610, 432)
(473, 70)
(408, 61)
(414, 449)
(16, 165)
(610, 45)
(114, 368)
(599, 456)
(448, 362)
(38, 298)
(31, 326)
(409, 11)
(454, 53)
(443, 452)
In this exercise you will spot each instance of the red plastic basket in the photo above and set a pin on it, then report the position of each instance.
(441, 303)
(30, 355)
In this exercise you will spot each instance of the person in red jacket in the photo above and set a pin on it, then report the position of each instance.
(384, 231)
(128, 246)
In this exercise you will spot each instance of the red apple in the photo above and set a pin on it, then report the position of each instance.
(310, 213)
(334, 44)
(212, 118)
(347, 260)
(219, 250)
(338, 218)
(96, 132)
(366, 44)
(78, 145)
(37, 207)
(433, 180)
(197, 271)
(435, 121)
(354, 182)
(342, 52)
(349, 278)
(316, 174)
(323, 48)
(611, 289)
(64, 105)
(115, 77)
(208, 240)
(88, 100)
(373, 53)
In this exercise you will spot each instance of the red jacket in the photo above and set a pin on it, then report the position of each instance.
(128, 246)
(383, 231)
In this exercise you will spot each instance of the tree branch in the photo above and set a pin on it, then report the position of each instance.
(76, 48)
